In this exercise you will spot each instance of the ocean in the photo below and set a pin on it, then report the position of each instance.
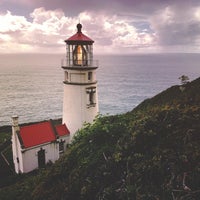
(31, 85)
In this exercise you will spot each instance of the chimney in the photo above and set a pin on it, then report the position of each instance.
(15, 123)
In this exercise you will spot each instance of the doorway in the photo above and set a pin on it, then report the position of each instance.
(41, 158)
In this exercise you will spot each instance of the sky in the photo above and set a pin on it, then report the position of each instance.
(116, 26)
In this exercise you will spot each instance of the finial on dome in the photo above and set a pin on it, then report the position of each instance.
(79, 27)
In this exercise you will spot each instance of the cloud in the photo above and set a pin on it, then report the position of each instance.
(165, 27)
(74, 7)
(11, 29)
(49, 28)
(10, 23)
(46, 30)
(115, 34)
(177, 25)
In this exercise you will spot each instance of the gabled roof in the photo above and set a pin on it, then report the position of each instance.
(40, 133)
(62, 130)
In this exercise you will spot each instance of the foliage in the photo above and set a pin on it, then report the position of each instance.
(5, 133)
(184, 79)
(148, 153)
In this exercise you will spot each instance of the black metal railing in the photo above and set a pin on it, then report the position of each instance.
(79, 63)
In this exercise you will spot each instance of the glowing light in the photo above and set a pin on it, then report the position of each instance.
(79, 55)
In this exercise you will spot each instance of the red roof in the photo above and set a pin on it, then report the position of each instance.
(40, 133)
(62, 130)
(79, 37)
(36, 134)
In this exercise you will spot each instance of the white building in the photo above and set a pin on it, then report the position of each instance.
(80, 103)
(36, 145)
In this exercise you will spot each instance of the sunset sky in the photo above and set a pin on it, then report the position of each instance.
(116, 26)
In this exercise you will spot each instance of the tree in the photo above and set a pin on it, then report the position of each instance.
(184, 79)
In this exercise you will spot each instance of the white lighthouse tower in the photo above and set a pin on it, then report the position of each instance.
(80, 103)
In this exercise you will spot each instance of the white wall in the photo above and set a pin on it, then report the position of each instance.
(75, 102)
(26, 160)
(75, 109)
(30, 157)
(17, 157)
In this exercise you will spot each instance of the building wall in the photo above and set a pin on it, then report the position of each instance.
(17, 156)
(76, 103)
(76, 109)
(26, 159)
(30, 156)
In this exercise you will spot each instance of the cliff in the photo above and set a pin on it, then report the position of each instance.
(152, 152)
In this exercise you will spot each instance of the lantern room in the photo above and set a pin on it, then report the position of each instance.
(79, 49)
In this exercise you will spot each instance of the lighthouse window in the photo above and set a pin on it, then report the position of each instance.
(91, 96)
(89, 76)
(79, 56)
(66, 76)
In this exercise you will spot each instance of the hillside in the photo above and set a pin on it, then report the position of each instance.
(150, 153)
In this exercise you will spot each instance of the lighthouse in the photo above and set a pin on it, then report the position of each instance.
(80, 102)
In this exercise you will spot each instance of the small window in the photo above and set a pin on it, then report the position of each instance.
(91, 96)
(89, 76)
(66, 76)
(61, 147)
